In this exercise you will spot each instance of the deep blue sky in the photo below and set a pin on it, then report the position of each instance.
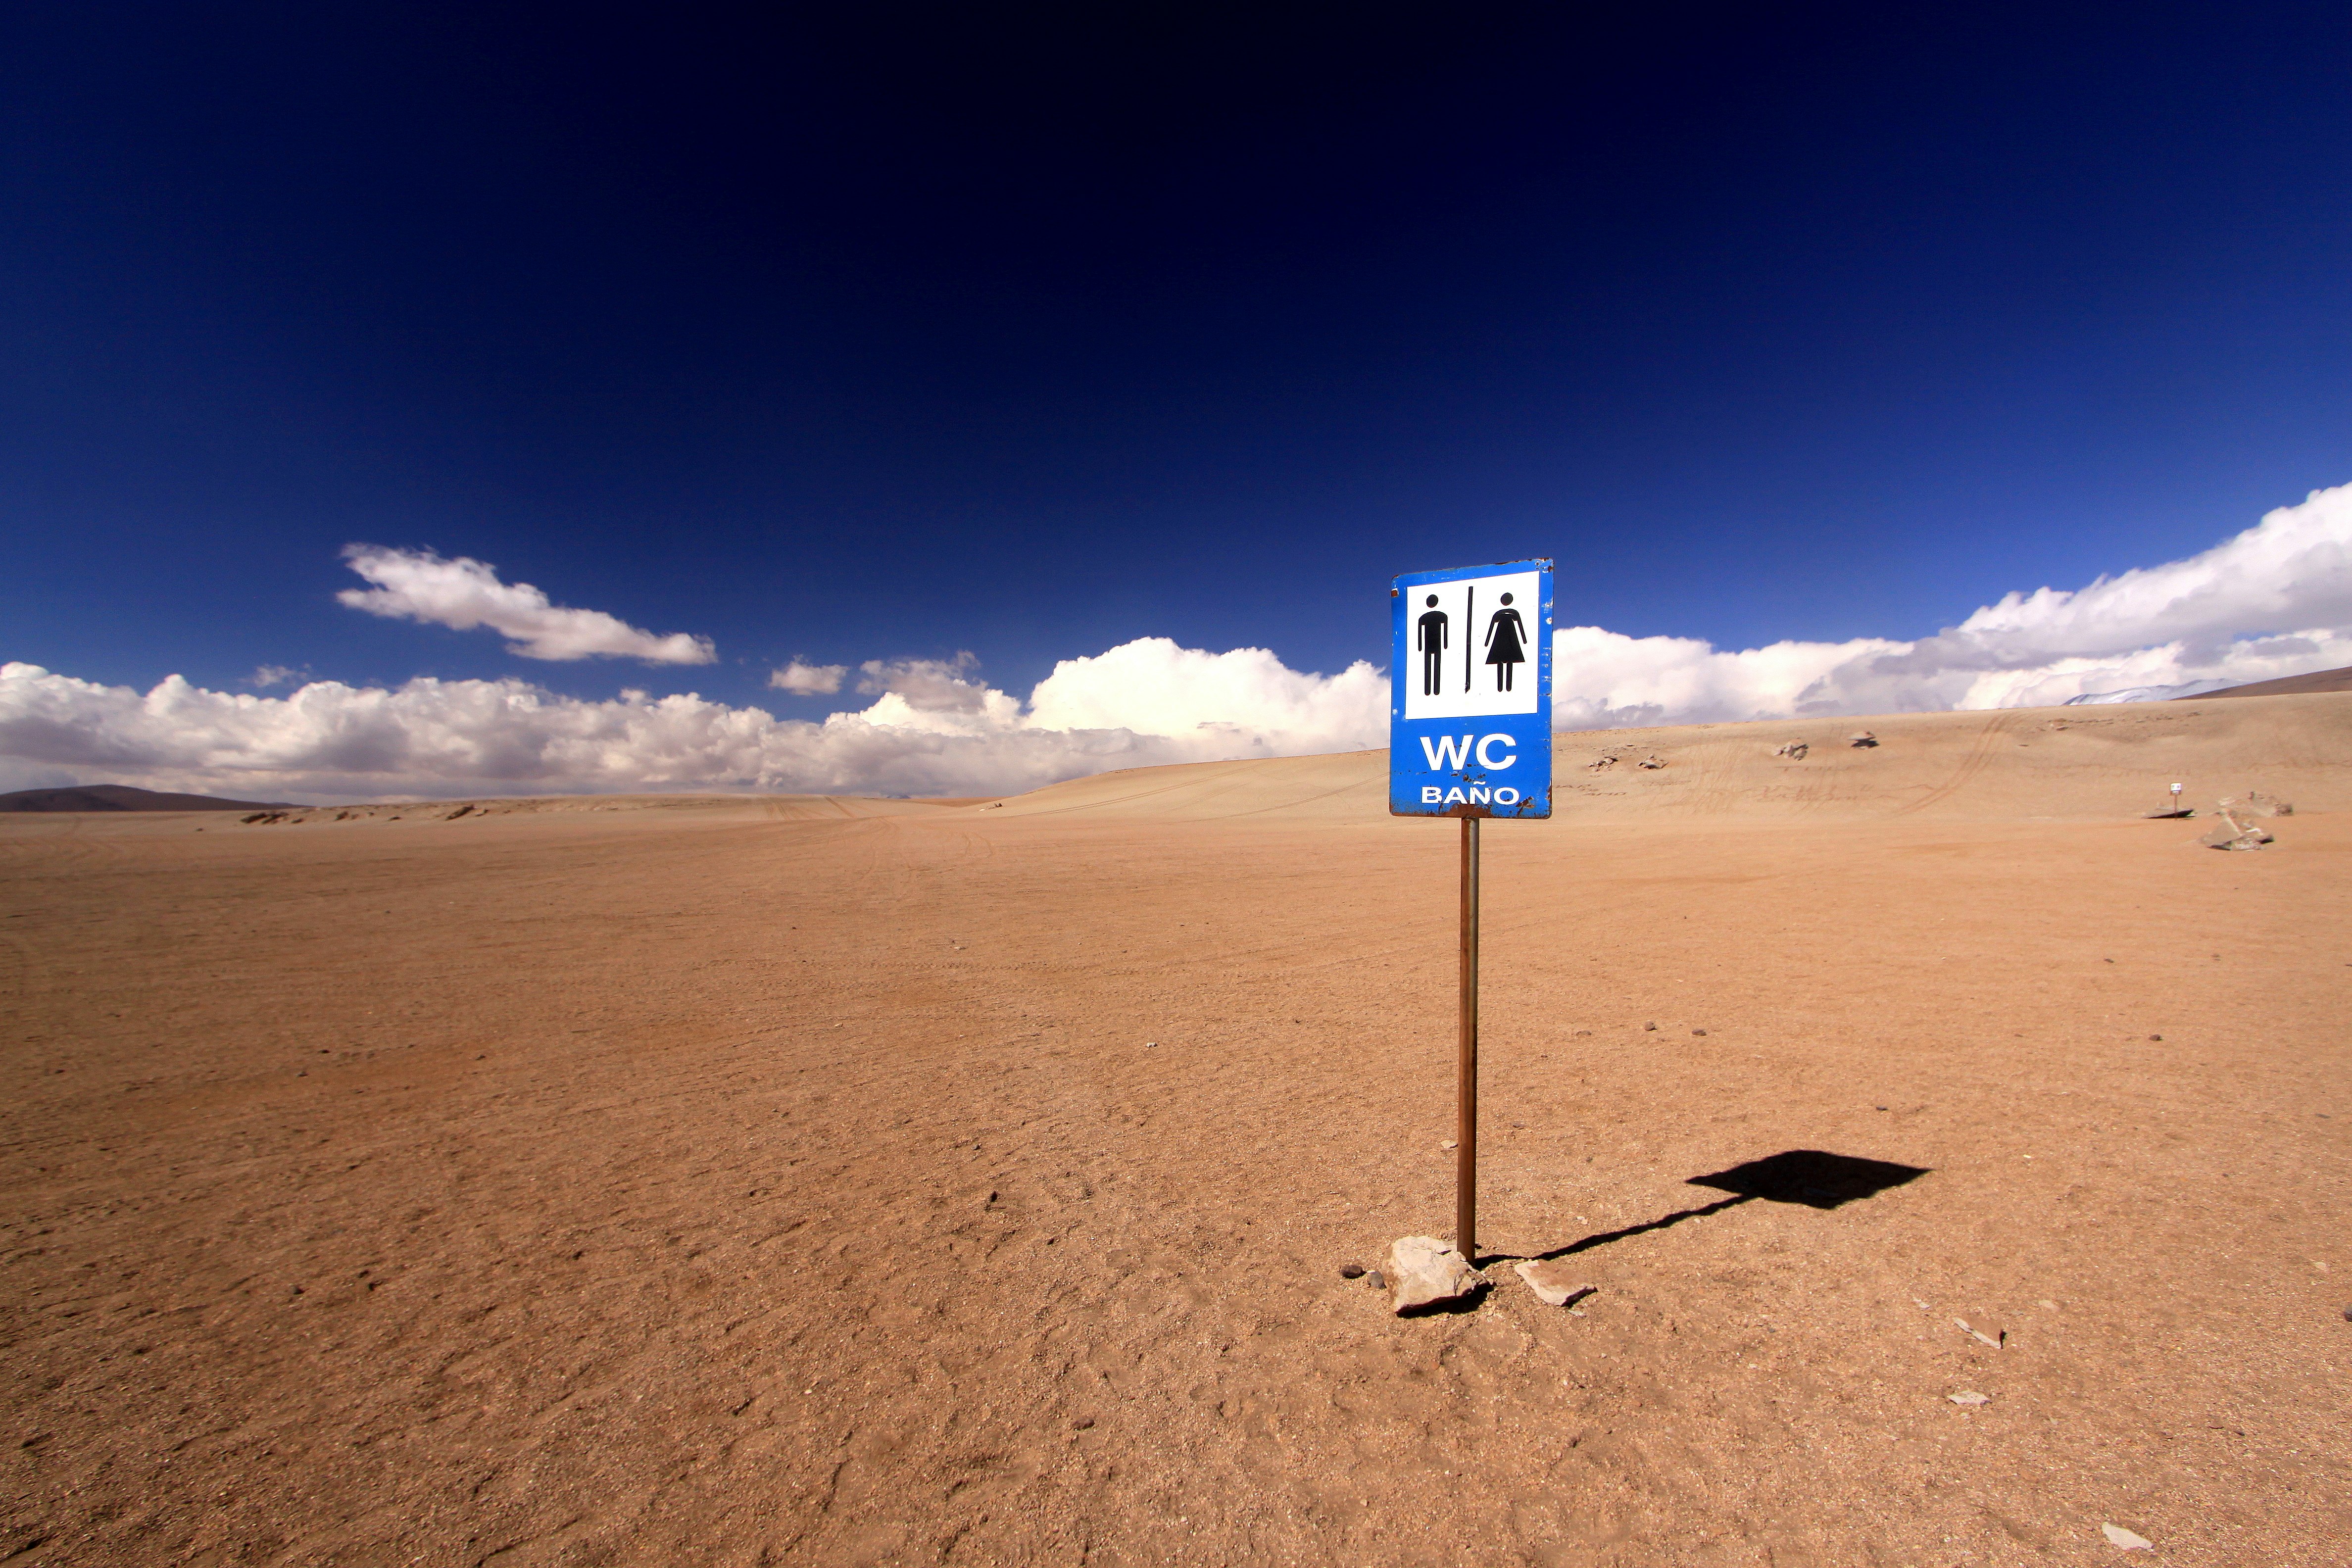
(888, 330)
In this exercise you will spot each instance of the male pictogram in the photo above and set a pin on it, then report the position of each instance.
(1432, 645)
(1507, 637)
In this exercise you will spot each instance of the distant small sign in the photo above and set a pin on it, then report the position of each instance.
(1470, 693)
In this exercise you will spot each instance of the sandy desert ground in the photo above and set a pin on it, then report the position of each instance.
(841, 1182)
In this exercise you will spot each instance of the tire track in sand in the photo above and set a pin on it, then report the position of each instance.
(1978, 755)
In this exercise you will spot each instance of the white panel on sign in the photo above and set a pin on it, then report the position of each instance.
(1475, 642)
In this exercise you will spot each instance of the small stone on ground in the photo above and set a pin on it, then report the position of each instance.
(1352, 1271)
(2118, 1536)
(1554, 1283)
(1969, 1396)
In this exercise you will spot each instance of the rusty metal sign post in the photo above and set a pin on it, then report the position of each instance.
(1465, 1077)
(1471, 737)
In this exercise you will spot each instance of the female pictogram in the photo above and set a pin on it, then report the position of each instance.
(1507, 637)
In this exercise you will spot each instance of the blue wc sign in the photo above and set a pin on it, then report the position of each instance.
(1470, 693)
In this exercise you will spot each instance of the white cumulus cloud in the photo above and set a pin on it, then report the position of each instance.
(808, 679)
(2275, 600)
(934, 727)
(1247, 696)
(419, 585)
(936, 696)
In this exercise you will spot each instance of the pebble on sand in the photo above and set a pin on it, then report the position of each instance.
(1426, 1271)
(1970, 1396)
(1377, 1281)
(1352, 1271)
(2118, 1536)
(1552, 1282)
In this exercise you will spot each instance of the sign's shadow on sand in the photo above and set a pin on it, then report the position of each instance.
(1812, 1177)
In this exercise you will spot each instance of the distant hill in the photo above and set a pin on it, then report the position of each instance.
(2289, 685)
(124, 797)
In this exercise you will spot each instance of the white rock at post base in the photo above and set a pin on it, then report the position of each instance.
(1422, 1269)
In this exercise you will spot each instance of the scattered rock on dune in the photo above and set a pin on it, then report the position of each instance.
(2118, 1536)
(1793, 750)
(1652, 761)
(1553, 1283)
(2257, 804)
(1426, 1271)
(2231, 834)
(1596, 763)
(1861, 738)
